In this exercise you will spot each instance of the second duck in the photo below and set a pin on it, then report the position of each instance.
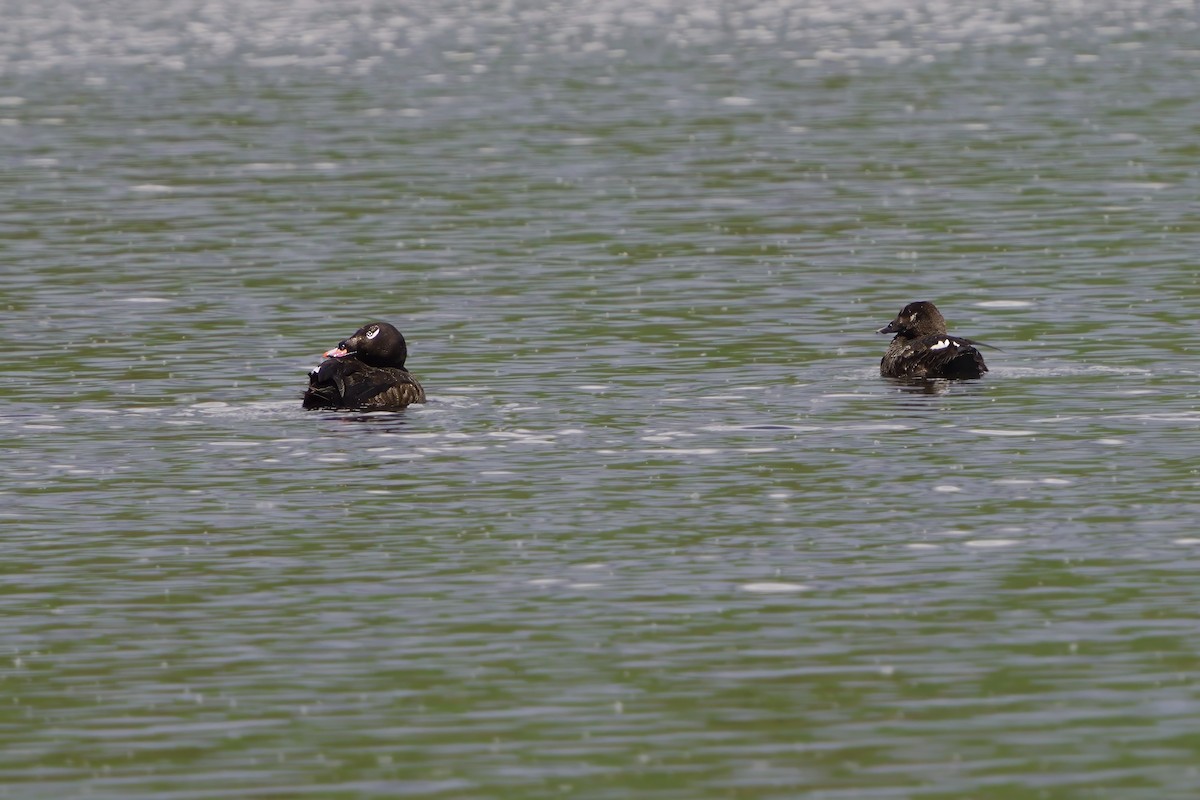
(921, 347)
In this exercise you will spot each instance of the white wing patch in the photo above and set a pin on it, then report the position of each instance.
(941, 345)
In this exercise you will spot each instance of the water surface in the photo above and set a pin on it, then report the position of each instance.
(661, 531)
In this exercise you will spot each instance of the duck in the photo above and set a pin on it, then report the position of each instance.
(921, 347)
(365, 371)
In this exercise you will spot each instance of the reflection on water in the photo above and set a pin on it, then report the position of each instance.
(922, 385)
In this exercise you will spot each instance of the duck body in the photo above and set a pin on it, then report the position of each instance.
(921, 347)
(365, 372)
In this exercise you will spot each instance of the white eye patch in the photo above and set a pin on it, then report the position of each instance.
(941, 345)
(913, 318)
(371, 334)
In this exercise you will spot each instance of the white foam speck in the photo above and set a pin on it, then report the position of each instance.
(584, 585)
(1181, 416)
(873, 427)
(144, 300)
(923, 546)
(997, 432)
(1187, 540)
(151, 188)
(1056, 481)
(1004, 304)
(519, 436)
(945, 487)
(262, 166)
(773, 588)
(990, 543)
(780, 427)
(1110, 441)
(737, 101)
(545, 581)
(593, 387)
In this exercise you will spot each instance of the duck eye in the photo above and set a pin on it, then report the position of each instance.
(372, 333)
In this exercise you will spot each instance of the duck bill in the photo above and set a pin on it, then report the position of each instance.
(337, 352)
(889, 328)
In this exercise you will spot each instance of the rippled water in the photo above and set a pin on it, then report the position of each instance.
(661, 531)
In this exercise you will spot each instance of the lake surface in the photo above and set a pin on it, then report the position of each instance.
(661, 530)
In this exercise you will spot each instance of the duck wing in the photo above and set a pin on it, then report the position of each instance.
(346, 382)
(944, 356)
(937, 355)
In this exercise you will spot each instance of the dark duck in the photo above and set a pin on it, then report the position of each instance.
(923, 349)
(366, 372)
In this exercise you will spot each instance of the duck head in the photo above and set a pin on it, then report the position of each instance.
(376, 344)
(915, 320)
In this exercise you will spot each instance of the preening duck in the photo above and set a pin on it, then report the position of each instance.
(365, 371)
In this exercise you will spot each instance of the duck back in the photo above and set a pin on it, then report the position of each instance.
(933, 356)
(348, 383)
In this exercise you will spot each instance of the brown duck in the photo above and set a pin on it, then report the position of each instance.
(923, 349)
(365, 371)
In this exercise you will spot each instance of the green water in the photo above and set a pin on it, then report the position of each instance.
(661, 531)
